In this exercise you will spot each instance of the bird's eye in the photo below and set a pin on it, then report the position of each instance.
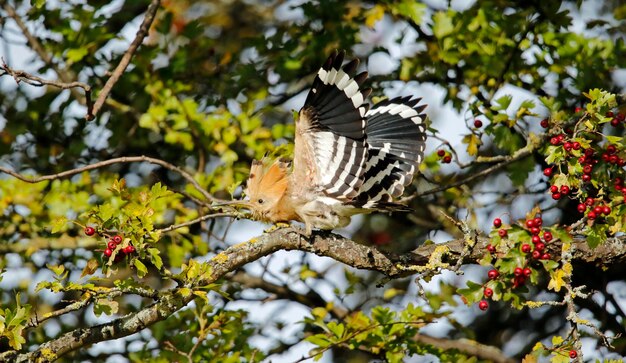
(260, 201)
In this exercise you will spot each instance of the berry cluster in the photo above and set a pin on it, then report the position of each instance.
(538, 237)
(113, 244)
(446, 158)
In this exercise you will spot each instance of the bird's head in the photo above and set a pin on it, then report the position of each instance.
(266, 185)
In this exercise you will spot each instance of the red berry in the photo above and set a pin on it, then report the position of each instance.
(112, 245)
(483, 305)
(526, 248)
(90, 231)
(581, 208)
(555, 141)
(573, 354)
(493, 274)
(588, 152)
(497, 222)
(536, 239)
(597, 209)
(527, 271)
(586, 178)
(488, 292)
(589, 201)
(618, 180)
(547, 236)
(578, 109)
(502, 233)
(519, 280)
(108, 252)
(536, 254)
(117, 239)
(554, 189)
(441, 153)
(447, 159)
(491, 248)
(606, 210)
(592, 215)
(478, 124)
(611, 149)
(605, 157)
(130, 249)
(518, 271)
(556, 196)
(540, 246)
(530, 223)
(547, 172)
(567, 146)
(620, 116)
(565, 190)
(538, 221)
(545, 256)
(587, 169)
(561, 137)
(621, 162)
(610, 114)
(613, 159)
(576, 145)
(614, 122)
(545, 123)
(535, 230)
(618, 187)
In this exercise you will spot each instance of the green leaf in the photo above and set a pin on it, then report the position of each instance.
(58, 224)
(141, 268)
(155, 257)
(77, 54)
(411, 9)
(442, 24)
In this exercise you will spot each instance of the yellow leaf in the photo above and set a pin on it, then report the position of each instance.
(556, 282)
(473, 142)
(373, 15)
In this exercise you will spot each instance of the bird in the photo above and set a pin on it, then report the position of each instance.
(348, 158)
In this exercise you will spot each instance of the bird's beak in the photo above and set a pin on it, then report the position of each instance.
(233, 203)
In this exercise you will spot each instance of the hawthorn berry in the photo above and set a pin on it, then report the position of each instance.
(554, 189)
(610, 114)
(576, 145)
(620, 116)
(567, 146)
(540, 246)
(586, 178)
(491, 248)
(598, 209)
(581, 208)
(488, 292)
(518, 271)
(556, 196)
(606, 210)
(535, 230)
(536, 239)
(605, 157)
(117, 239)
(547, 236)
(441, 153)
(573, 354)
(613, 159)
(565, 190)
(615, 122)
(483, 305)
(108, 252)
(478, 124)
(547, 172)
(538, 221)
(587, 169)
(497, 222)
(530, 223)
(519, 280)
(112, 245)
(493, 274)
(447, 159)
(589, 201)
(527, 271)
(554, 141)
(611, 149)
(545, 256)
(536, 254)
(545, 123)
(592, 215)
(90, 231)
(526, 248)
(578, 109)
(502, 233)
(130, 249)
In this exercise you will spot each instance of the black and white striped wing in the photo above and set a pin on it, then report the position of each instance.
(396, 140)
(330, 131)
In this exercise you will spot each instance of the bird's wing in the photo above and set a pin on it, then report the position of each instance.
(330, 147)
(396, 140)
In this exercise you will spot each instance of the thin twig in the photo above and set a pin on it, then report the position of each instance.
(124, 159)
(121, 67)
(194, 221)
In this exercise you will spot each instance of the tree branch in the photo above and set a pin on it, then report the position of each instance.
(612, 252)
(100, 164)
(121, 67)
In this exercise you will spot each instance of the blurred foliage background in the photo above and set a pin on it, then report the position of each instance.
(213, 87)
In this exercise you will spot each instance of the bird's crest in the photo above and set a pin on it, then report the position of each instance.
(267, 178)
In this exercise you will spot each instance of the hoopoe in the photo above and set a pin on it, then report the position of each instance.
(348, 159)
